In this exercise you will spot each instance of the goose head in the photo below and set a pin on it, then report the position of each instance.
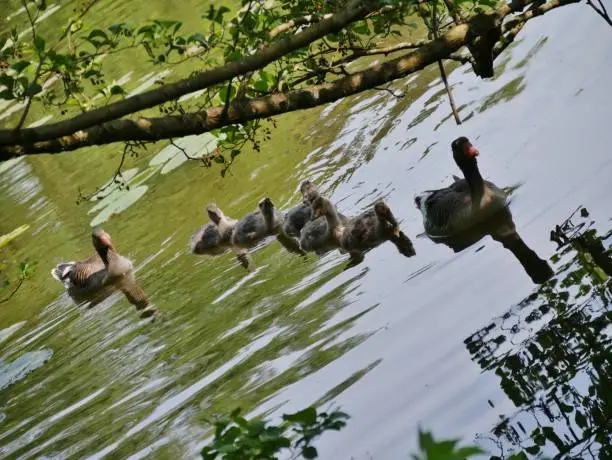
(214, 213)
(266, 206)
(321, 207)
(102, 243)
(311, 195)
(101, 239)
(464, 153)
(305, 186)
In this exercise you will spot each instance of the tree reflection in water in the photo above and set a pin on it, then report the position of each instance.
(552, 352)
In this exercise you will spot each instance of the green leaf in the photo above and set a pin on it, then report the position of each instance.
(533, 450)
(34, 89)
(231, 434)
(39, 44)
(307, 416)
(223, 93)
(21, 66)
(581, 420)
(425, 440)
(6, 80)
(7, 94)
(122, 27)
(361, 27)
(468, 451)
(261, 85)
(310, 452)
(216, 14)
(227, 449)
(518, 456)
(97, 33)
(197, 38)
(116, 89)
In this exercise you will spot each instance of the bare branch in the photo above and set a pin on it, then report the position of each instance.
(449, 91)
(114, 180)
(459, 58)
(398, 95)
(38, 68)
(453, 11)
(601, 12)
(10, 296)
(183, 151)
(357, 53)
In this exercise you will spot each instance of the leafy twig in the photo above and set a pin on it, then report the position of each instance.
(26, 270)
(128, 147)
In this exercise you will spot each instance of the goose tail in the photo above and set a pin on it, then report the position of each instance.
(404, 244)
(61, 271)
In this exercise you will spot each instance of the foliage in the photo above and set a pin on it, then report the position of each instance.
(26, 270)
(443, 450)
(237, 438)
(70, 71)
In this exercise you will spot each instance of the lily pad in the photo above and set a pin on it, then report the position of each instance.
(16, 370)
(123, 199)
(143, 175)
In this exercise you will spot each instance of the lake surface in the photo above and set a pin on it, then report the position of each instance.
(463, 344)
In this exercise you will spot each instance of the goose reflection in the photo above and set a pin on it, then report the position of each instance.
(470, 209)
(94, 279)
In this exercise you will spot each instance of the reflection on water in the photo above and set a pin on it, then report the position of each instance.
(383, 340)
(502, 229)
(552, 352)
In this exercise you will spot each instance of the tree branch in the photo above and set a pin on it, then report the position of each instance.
(243, 110)
(10, 296)
(151, 129)
(355, 10)
(296, 22)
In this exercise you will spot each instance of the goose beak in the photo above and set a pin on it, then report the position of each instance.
(105, 239)
(472, 151)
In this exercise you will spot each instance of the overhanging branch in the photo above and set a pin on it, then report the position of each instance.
(151, 129)
(243, 110)
(355, 10)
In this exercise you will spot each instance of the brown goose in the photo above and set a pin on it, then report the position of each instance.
(322, 233)
(107, 267)
(297, 217)
(372, 228)
(256, 226)
(215, 237)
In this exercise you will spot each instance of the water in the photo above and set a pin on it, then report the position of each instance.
(396, 342)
